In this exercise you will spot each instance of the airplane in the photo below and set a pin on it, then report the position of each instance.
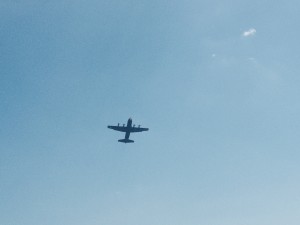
(128, 129)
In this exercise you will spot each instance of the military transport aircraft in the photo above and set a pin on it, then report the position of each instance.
(128, 129)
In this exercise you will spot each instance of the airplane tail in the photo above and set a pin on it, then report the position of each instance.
(126, 141)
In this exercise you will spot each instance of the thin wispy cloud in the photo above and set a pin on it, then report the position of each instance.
(250, 32)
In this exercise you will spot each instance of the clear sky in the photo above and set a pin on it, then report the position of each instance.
(217, 83)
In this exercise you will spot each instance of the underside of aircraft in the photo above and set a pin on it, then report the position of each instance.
(128, 129)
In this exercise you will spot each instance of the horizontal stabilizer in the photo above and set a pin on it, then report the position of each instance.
(126, 140)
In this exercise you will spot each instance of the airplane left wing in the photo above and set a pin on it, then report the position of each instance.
(118, 128)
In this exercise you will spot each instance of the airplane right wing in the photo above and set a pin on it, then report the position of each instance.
(138, 129)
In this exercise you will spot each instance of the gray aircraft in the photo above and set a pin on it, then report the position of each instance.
(128, 129)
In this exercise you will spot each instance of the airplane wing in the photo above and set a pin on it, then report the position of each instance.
(138, 129)
(126, 129)
(118, 128)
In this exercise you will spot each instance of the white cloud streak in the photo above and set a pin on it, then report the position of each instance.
(250, 32)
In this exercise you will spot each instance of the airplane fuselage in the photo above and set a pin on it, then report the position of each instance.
(129, 123)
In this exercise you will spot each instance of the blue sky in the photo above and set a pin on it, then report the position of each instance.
(216, 82)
